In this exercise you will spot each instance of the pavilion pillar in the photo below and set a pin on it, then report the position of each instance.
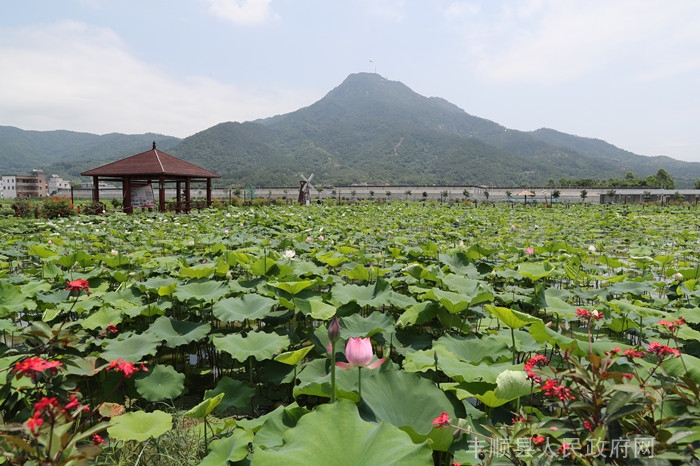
(161, 195)
(95, 189)
(178, 193)
(208, 192)
(126, 192)
(187, 194)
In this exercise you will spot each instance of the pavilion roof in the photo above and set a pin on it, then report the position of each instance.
(152, 163)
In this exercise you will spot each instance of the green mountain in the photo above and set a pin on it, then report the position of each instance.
(367, 130)
(376, 131)
(68, 153)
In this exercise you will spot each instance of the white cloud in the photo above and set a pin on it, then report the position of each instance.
(550, 41)
(241, 11)
(74, 76)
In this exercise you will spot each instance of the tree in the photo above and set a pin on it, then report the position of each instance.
(408, 193)
(388, 195)
(465, 193)
(696, 185)
(371, 194)
(509, 194)
(664, 179)
(556, 194)
(353, 193)
(425, 195)
(584, 195)
(486, 195)
(443, 195)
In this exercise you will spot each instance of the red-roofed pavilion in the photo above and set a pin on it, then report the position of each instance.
(149, 167)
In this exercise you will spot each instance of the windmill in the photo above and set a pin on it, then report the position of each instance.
(304, 189)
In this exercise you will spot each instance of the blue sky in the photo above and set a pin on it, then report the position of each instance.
(625, 71)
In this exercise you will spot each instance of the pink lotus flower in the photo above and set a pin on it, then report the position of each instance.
(529, 251)
(358, 352)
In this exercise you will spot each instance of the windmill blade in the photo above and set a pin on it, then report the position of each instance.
(310, 178)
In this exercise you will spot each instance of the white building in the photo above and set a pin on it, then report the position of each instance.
(57, 184)
(8, 187)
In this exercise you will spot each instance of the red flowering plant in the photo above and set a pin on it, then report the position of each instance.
(586, 408)
(46, 418)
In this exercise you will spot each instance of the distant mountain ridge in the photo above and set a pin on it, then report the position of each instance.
(366, 130)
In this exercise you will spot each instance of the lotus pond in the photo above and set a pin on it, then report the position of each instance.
(474, 336)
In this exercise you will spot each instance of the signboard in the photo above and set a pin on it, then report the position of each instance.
(142, 195)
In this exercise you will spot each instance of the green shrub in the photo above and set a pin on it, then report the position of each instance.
(23, 208)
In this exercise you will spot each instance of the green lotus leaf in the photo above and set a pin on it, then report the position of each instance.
(331, 259)
(275, 424)
(315, 308)
(453, 302)
(536, 270)
(237, 394)
(13, 301)
(160, 285)
(358, 326)
(511, 318)
(140, 426)
(358, 273)
(510, 385)
(102, 318)
(208, 291)
(250, 306)
(375, 295)
(293, 358)
(204, 408)
(131, 348)
(159, 383)
(198, 271)
(338, 428)
(293, 287)
(624, 308)
(558, 306)
(475, 350)
(262, 267)
(259, 345)
(32, 288)
(178, 332)
(41, 251)
(232, 448)
(418, 314)
(388, 393)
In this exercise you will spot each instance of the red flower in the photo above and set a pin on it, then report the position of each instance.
(111, 328)
(589, 314)
(538, 440)
(553, 388)
(631, 353)
(536, 360)
(673, 325)
(97, 440)
(442, 420)
(33, 423)
(78, 285)
(73, 403)
(662, 350)
(45, 403)
(126, 368)
(588, 426)
(33, 366)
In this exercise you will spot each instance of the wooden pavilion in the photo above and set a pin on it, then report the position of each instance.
(140, 172)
